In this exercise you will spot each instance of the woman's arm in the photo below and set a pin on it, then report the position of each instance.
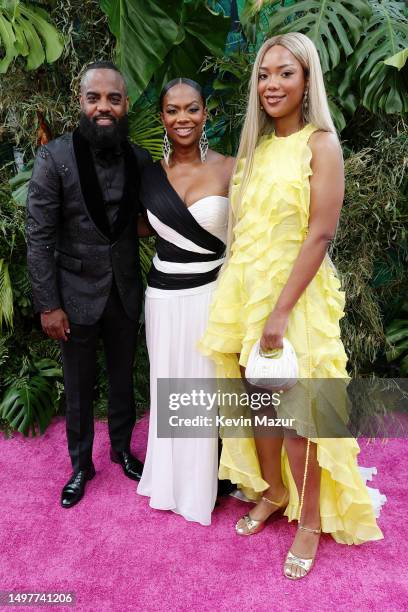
(326, 198)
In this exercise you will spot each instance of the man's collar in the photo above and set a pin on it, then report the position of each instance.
(108, 154)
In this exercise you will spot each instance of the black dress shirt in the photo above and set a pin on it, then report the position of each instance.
(110, 170)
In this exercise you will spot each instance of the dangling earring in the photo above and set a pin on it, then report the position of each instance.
(166, 148)
(305, 103)
(203, 145)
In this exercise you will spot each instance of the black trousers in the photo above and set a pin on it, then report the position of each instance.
(119, 335)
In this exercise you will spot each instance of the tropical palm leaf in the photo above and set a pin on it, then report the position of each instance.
(51, 39)
(4, 353)
(398, 60)
(163, 39)
(19, 184)
(23, 408)
(26, 30)
(383, 88)
(7, 41)
(404, 366)
(46, 349)
(335, 26)
(203, 33)
(30, 402)
(6, 296)
(340, 106)
(135, 25)
(397, 335)
(48, 368)
(147, 250)
(146, 130)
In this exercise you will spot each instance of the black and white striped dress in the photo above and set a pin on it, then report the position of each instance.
(180, 474)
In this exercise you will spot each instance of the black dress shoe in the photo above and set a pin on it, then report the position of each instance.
(225, 487)
(74, 490)
(132, 467)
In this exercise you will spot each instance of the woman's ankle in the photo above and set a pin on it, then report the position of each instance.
(275, 492)
(311, 520)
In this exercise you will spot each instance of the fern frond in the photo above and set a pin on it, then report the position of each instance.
(6, 296)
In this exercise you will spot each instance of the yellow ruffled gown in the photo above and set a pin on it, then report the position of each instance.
(268, 234)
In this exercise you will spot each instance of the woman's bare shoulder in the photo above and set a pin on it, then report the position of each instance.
(225, 163)
(326, 150)
(216, 157)
(322, 142)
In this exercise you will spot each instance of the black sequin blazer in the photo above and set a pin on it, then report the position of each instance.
(72, 255)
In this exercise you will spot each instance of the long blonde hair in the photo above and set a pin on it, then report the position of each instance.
(258, 123)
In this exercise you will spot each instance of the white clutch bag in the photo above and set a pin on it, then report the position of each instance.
(274, 370)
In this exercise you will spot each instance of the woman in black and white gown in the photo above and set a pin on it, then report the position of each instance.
(186, 201)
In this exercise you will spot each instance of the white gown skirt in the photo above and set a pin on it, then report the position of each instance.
(180, 474)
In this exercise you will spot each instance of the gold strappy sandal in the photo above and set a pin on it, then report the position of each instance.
(249, 526)
(305, 565)
(293, 560)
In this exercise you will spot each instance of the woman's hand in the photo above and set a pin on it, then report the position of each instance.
(274, 330)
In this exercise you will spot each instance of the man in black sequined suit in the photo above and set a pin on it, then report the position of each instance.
(83, 259)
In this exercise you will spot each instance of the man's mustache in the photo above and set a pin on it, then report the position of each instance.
(105, 116)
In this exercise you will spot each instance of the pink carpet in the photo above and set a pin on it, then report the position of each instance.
(117, 554)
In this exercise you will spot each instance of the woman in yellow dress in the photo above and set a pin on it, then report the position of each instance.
(286, 196)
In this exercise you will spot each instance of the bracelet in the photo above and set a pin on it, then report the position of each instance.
(271, 353)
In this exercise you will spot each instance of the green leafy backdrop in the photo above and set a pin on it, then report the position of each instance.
(363, 48)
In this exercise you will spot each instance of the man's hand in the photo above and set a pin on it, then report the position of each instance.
(55, 324)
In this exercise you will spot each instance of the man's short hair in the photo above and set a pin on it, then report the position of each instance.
(102, 65)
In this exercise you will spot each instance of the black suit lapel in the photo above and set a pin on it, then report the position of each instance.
(89, 183)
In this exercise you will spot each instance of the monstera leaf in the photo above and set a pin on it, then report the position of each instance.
(26, 30)
(382, 87)
(335, 26)
(204, 34)
(144, 35)
(398, 60)
(31, 400)
(19, 184)
(255, 15)
(163, 39)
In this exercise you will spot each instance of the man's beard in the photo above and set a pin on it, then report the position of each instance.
(104, 136)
